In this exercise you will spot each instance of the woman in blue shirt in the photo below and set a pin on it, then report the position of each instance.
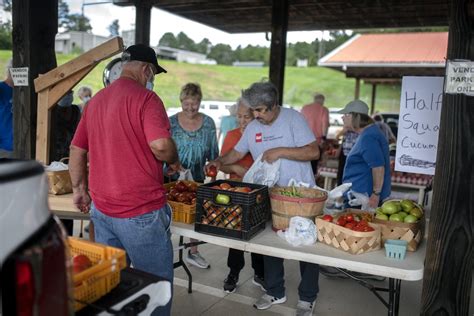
(195, 136)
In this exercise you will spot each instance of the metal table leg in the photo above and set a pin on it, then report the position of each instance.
(181, 263)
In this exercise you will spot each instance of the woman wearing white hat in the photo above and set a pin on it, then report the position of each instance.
(368, 163)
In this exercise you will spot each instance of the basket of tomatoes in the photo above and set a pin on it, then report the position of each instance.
(351, 231)
(182, 199)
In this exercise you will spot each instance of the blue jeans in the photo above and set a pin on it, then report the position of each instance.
(145, 238)
(275, 282)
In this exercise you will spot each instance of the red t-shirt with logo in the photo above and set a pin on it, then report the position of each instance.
(116, 128)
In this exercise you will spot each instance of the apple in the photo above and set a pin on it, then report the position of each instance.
(211, 171)
(222, 199)
(80, 263)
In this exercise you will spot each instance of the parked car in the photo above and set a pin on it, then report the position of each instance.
(392, 120)
(335, 118)
(34, 269)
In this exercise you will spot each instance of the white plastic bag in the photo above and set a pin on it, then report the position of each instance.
(185, 175)
(56, 166)
(262, 172)
(362, 199)
(302, 231)
(294, 183)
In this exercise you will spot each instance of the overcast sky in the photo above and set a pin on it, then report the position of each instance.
(101, 15)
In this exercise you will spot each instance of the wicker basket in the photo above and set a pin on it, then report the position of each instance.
(348, 240)
(412, 233)
(285, 207)
(59, 182)
(102, 277)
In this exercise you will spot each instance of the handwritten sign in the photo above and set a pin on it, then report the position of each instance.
(19, 76)
(418, 126)
(459, 77)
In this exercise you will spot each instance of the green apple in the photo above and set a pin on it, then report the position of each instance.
(395, 218)
(381, 216)
(222, 199)
(410, 219)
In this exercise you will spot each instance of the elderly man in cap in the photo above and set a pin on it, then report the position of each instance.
(125, 134)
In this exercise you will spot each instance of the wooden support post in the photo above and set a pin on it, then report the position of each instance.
(35, 24)
(372, 101)
(54, 84)
(278, 45)
(447, 280)
(142, 23)
(357, 89)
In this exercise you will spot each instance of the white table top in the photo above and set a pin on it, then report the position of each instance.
(268, 243)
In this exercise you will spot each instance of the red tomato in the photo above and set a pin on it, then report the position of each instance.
(341, 221)
(327, 218)
(349, 217)
(212, 171)
(368, 229)
(349, 225)
(80, 263)
(363, 223)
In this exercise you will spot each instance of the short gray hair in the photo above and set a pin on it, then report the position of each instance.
(260, 93)
(8, 66)
(83, 90)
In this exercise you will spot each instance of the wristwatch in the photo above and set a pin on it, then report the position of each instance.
(376, 192)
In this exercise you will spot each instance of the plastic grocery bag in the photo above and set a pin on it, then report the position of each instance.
(56, 166)
(185, 175)
(294, 183)
(362, 199)
(262, 172)
(302, 231)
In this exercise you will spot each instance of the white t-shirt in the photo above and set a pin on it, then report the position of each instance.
(290, 129)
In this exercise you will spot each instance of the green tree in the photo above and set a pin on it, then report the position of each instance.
(63, 14)
(7, 5)
(6, 36)
(114, 28)
(204, 46)
(184, 42)
(222, 54)
(78, 22)
(168, 39)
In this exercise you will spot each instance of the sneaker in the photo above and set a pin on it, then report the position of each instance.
(258, 281)
(230, 283)
(331, 272)
(266, 301)
(196, 260)
(304, 308)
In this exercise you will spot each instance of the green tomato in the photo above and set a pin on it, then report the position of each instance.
(402, 214)
(396, 218)
(381, 216)
(410, 219)
(222, 199)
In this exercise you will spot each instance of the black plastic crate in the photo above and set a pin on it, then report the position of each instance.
(243, 217)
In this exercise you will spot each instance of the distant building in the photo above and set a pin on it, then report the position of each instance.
(67, 42)
(303, 63)
(181, 55)
(252, 64)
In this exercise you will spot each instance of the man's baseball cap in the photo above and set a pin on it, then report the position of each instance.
(144, 53)
(356, 106)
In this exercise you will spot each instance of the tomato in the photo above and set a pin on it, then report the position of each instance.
(368, 229)
(80, 263)
(363, 223)
(327, 218)
(225, 186)
(212, 171)
(349, 217)
(350, 225)
(341, 221)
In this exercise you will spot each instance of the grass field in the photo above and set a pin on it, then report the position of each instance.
(224, 83)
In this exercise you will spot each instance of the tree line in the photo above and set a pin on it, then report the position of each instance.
(224, 54)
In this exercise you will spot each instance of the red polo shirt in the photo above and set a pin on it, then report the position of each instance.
(116, 128)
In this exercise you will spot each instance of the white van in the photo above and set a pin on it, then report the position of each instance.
(216, 110)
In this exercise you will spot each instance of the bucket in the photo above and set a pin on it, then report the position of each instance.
(285, 207)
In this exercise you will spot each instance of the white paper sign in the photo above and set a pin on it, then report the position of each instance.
(19, 76)
(459, 77)
(420, 111)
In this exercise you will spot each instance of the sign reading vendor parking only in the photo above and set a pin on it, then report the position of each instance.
(459, 77)
(19, 76)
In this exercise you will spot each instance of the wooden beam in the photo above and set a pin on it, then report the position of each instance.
(43, 128)
(372, 100)
(357, 89)
(35, 24)
(278, 45)
(142, 23)
(93, 56)
(447, 279)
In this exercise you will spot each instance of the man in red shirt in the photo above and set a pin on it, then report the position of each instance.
(317, 116)
(124, 132)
